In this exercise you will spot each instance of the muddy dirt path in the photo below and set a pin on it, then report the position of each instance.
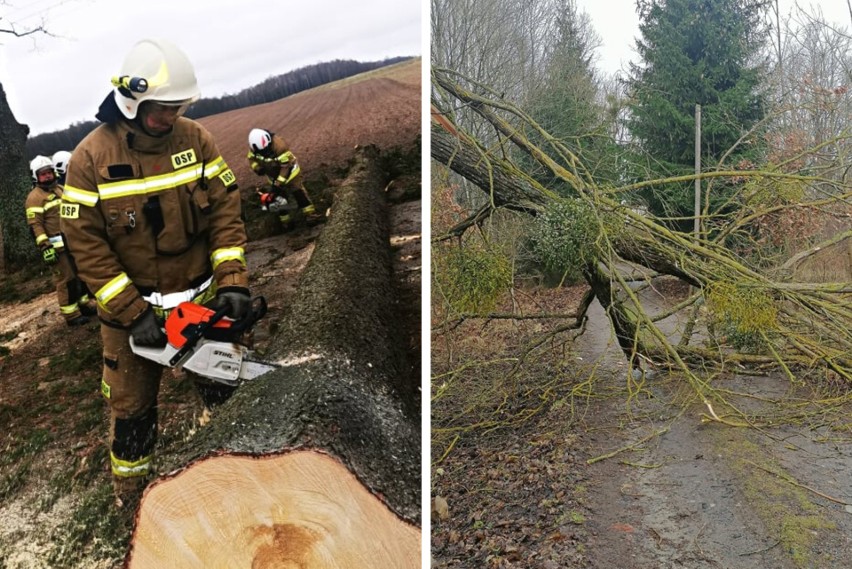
(687, 493)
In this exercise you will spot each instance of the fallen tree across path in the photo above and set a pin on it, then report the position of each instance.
(796, 326)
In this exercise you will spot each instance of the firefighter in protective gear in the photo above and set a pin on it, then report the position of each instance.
(151, 213)
(42, 206)
(269, 155)
(60, 165)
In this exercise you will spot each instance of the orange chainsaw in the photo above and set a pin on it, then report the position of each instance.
(207, 343)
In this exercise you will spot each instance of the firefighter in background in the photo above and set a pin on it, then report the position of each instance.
(42, 205)
(151, 213)
(270, 156)
(60, 164)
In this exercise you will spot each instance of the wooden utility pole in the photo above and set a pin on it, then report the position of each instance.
(697, 228)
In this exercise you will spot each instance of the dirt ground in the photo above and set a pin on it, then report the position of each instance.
(573, 462)
(54, 468)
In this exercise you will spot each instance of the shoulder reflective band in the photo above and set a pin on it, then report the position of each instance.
(220, 256)
(51, 204)
(112, 289)
(80, 196)
(286, 157)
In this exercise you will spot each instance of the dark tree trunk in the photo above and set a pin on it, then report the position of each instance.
(15, 244)
(318, 462)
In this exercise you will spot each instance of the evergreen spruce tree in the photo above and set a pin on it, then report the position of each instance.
(695, 52)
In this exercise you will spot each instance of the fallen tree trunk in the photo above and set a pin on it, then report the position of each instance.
(316, 464)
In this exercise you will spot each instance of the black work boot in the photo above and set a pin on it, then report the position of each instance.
(89, 308)
(78, 321)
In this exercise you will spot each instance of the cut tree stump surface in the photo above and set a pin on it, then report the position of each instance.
(300, 509)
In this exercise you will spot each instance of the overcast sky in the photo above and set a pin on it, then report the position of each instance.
(53, 82)
(617, 23)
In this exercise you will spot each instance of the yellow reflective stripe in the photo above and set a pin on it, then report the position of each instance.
(112, 289)
(215, 168)
(309, 209)
(130, 468)
(34, 210)
(80, 196)
(149, 185)
(40, 238)
(293, 173)
(52, 204)
(68, 308)
(105, 389)
(220, 256)
(286, 157)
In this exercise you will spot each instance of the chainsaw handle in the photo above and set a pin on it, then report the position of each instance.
(198, 333)
(257, 310)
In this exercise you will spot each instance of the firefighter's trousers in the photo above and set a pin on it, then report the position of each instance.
(70, 291)
(130, 385)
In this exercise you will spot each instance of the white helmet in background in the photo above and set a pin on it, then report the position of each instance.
(39, 163)
(60, 161)
(259, 140)
(155, 70)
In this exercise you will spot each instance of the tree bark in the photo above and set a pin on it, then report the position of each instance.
(316, 464)
(15, 242)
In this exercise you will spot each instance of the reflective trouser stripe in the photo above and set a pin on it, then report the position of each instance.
(129, 469)
(69, 308)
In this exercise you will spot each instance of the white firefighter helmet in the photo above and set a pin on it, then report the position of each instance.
(259, 140)
(60, 161)
(155, 70)
(39, 163)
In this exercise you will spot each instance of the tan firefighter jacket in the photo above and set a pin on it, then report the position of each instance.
(43, 215)
(144, 215)
(280, 166)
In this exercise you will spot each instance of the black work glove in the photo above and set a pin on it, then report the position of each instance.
(237, 299)
(146, 330)
(49, 254)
